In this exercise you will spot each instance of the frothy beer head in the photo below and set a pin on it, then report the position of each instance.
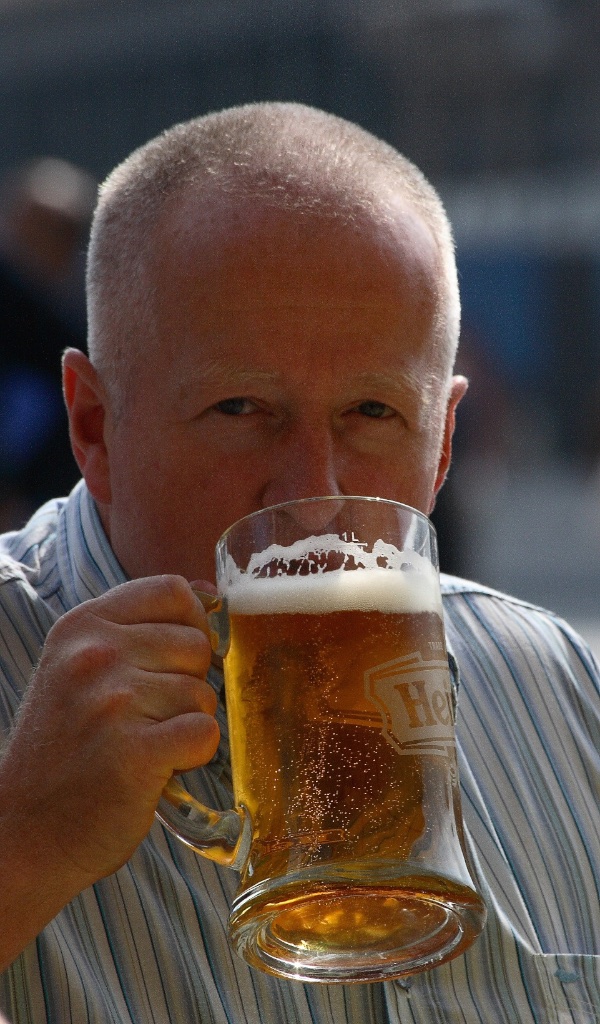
(300, 580)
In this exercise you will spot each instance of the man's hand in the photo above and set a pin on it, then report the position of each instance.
(118, 703)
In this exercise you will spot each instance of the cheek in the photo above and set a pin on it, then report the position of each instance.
(150, 461)
(413, 477)
(145, 480)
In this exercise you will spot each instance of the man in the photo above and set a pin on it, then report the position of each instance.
(273, 313)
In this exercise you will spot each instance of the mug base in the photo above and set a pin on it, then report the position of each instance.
(352, 933)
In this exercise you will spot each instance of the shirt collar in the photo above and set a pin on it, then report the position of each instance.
(87, 564)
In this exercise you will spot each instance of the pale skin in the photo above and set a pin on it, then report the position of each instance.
(300, 361)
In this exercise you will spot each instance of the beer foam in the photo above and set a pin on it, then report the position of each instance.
(412, 586)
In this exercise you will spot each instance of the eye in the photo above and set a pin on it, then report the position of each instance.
(375, 410)
(238, 406)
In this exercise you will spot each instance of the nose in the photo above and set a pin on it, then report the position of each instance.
(308, 465)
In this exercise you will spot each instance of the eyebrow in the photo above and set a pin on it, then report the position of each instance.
(416, 386)
(216, 373)
(420, 390)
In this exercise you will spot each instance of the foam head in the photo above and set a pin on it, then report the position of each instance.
(327, 574)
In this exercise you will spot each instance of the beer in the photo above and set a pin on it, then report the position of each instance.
(342, 741)
(347, 828)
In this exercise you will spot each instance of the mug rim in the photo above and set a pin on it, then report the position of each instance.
(325, 497)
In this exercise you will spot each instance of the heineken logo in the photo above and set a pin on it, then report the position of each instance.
(414, 701)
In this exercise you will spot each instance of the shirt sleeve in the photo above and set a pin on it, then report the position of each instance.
(25, 620)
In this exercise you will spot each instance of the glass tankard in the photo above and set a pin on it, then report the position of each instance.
(347, 829)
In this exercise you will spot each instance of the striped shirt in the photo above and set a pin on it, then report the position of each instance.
(148, 945)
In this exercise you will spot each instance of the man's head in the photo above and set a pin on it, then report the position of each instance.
(284, 156)
(274, 313)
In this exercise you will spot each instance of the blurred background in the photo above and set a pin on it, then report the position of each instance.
(498, 101)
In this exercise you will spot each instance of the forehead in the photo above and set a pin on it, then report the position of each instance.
(228, 266)
(266, 237)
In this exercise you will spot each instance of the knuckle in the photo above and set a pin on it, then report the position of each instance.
(177, 591)
(81, 642)
(93, 658)
(114, 705)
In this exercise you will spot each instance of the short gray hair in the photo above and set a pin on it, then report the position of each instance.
(284, 154)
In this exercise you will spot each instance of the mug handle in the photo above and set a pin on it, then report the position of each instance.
(221, 836)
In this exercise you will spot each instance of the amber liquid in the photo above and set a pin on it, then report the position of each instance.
(366, 834)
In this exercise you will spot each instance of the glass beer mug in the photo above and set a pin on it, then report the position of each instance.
(347, 828)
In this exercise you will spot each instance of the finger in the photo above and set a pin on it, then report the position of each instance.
(165, 647)
(152, 599)
(139, 695)
(161, 697)
(185, 742)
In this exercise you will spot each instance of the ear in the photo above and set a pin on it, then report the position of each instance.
(458, 388)
(87, 407)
